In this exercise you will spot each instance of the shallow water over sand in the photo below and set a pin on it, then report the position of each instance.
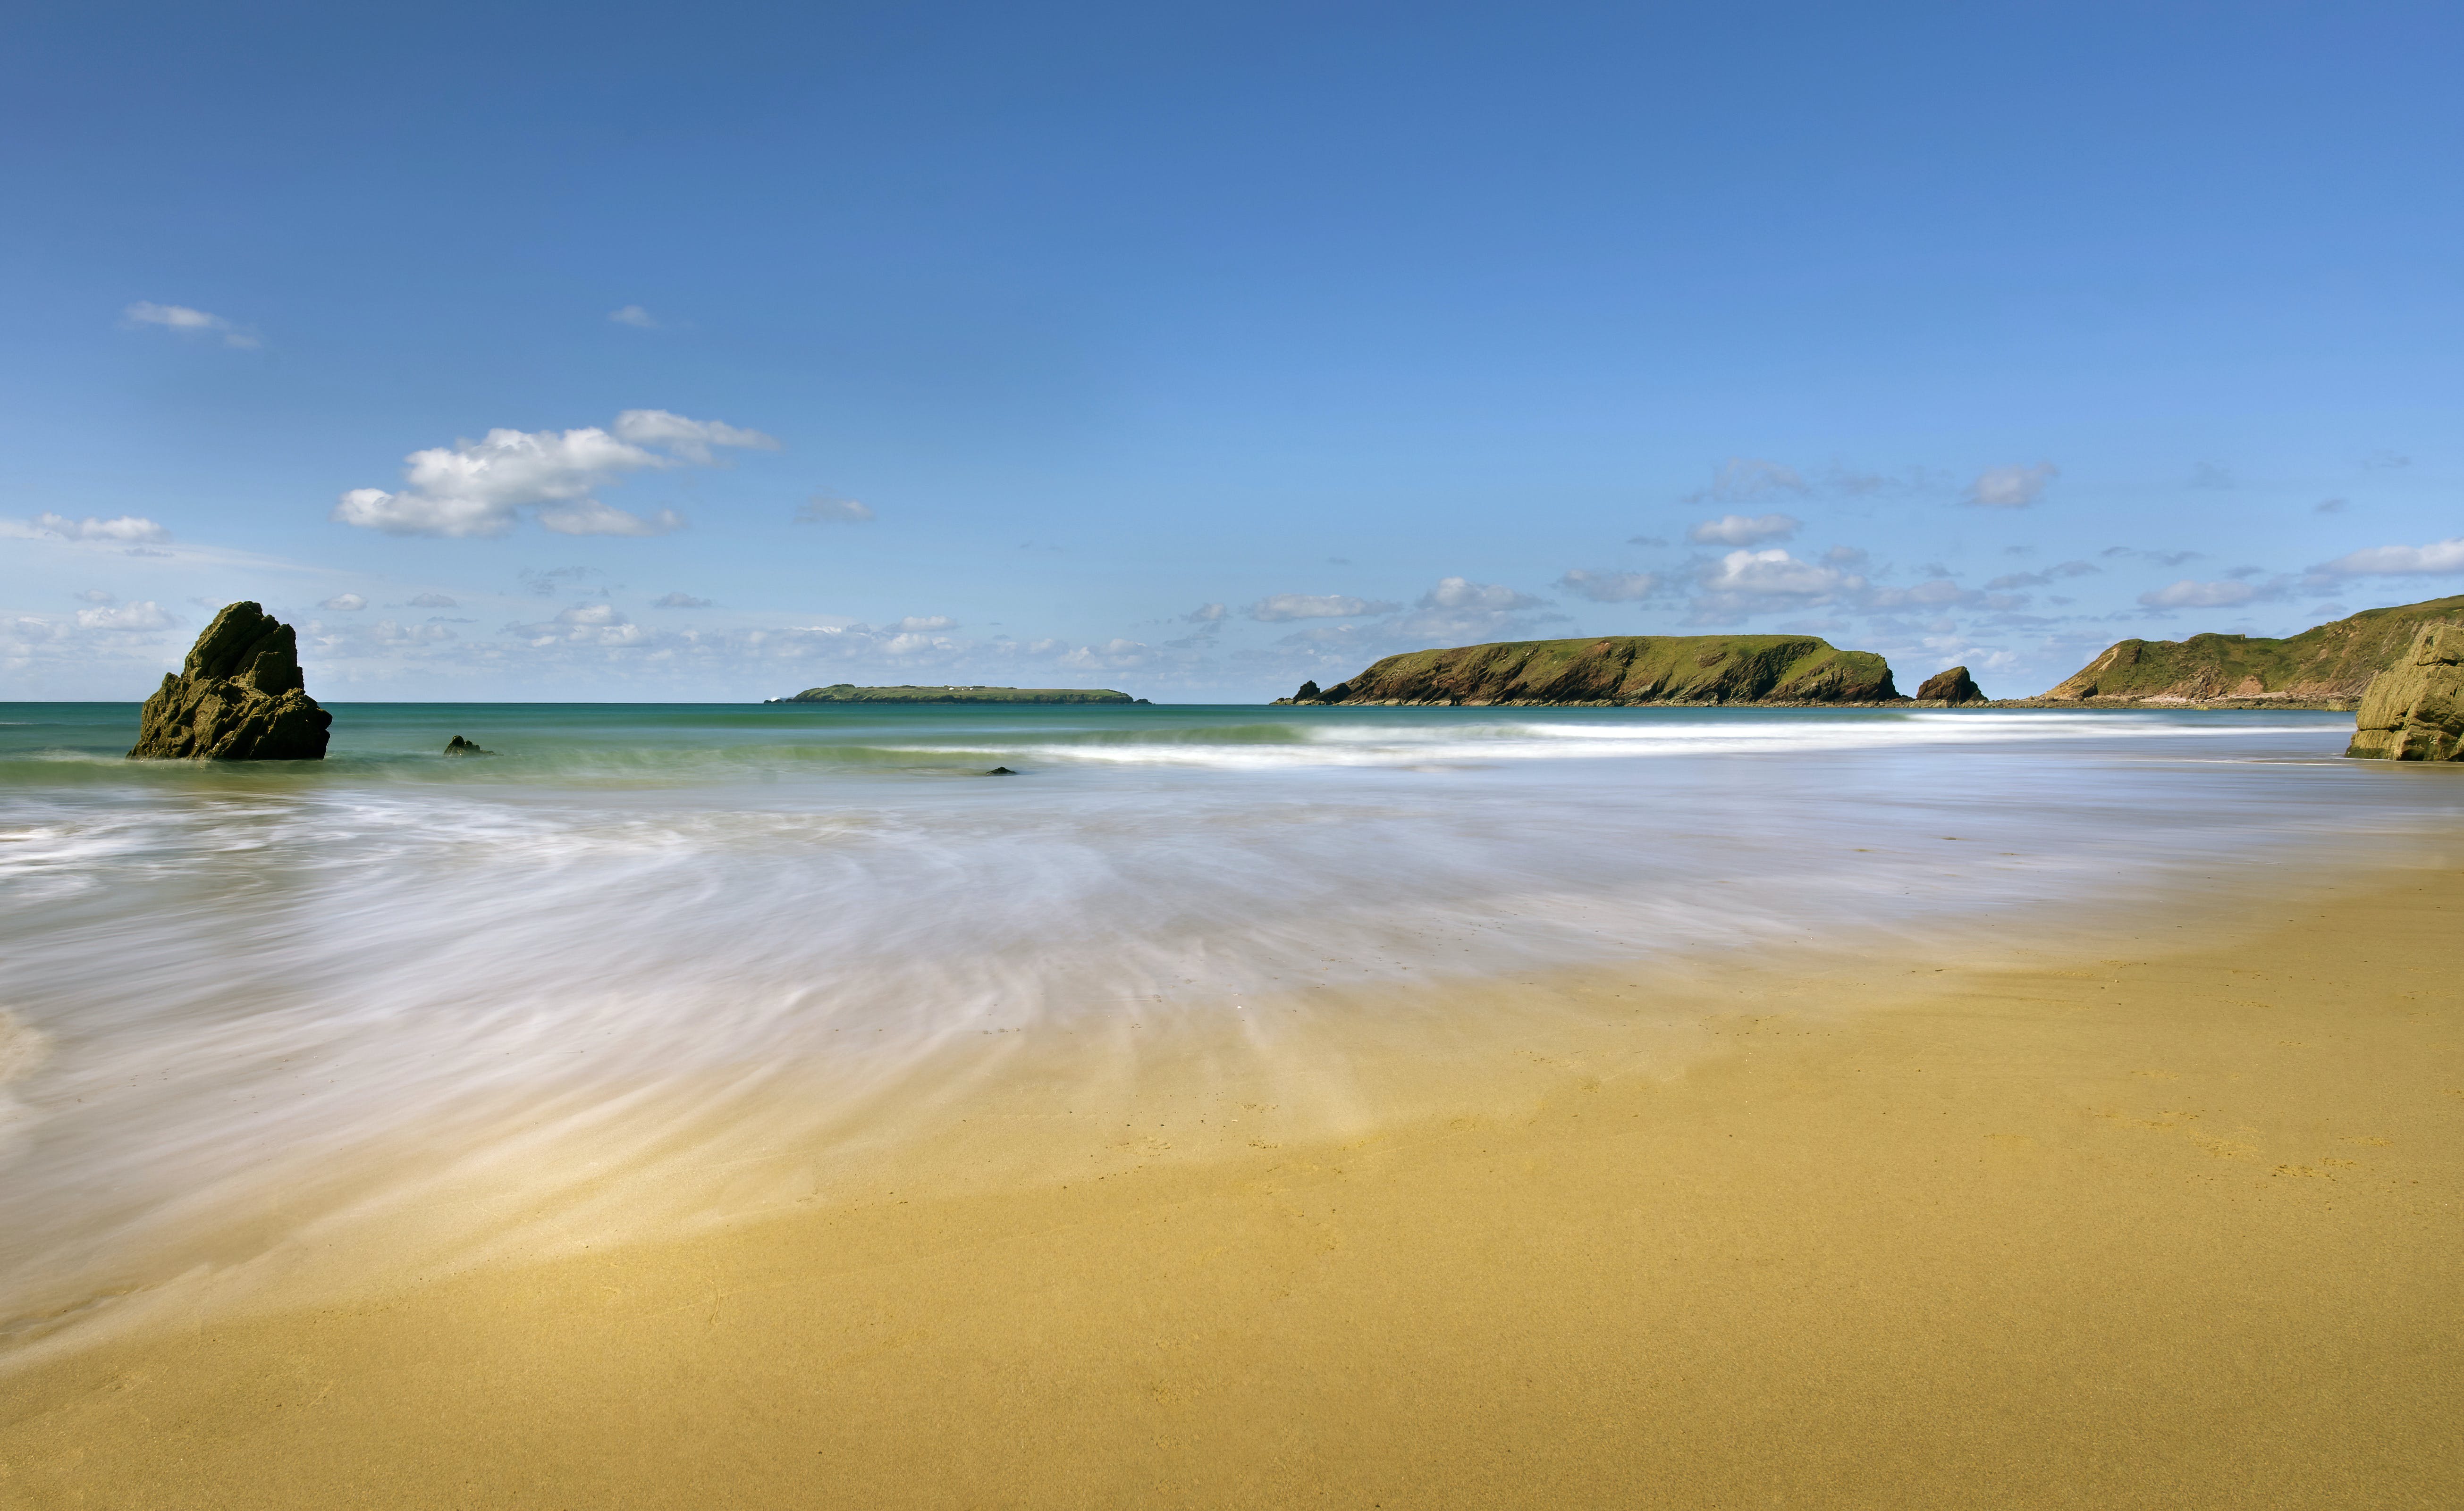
(238, 995)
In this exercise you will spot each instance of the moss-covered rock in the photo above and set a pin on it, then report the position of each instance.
(239, 697)
(1954, 687)
(2415, 709)
(1625, 670)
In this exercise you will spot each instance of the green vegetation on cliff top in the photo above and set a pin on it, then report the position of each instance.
(2334, 660)
(849, 692)
(1624, 669)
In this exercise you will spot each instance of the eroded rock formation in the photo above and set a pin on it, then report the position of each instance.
(1954, 687)
(2415, 709)
(239, 697)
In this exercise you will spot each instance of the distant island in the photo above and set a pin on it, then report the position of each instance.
(2325, 667)
(1621, 671)
(849, 692)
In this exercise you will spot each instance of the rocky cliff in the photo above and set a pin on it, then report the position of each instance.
(239, 697)
(1622, 670)
(2415, 709)
(1954, 687)
(2329, 661)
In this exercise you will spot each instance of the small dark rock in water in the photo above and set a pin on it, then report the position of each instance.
(458, 746)
(240, 696)
(1001, 771)
(1954, 687)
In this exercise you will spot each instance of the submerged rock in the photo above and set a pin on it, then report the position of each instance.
(1001, 771)
(1954, 687)
(458, 746)
(239, 697)
(2415, 709)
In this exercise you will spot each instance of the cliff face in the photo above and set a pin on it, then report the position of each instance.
(1624, 669)
(2415, 709)
(239, 697)
(2335, 660)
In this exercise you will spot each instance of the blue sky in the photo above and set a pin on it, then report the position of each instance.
(620, 352)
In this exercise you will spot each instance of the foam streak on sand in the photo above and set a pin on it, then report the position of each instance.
(2152, 1226)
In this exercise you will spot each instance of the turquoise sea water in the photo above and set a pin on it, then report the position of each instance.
(221, 980)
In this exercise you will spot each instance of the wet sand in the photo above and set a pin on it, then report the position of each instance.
(2158, 1226)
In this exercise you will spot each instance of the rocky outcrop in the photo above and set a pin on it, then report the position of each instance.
(2328, 664)
(458, 746)
(2415, 709)
(239, 697)
(849, 692)
(1623, 670)
(1954, 687)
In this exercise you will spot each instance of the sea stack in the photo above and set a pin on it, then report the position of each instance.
(2415, 709)
(240, 696)
(1954, 687)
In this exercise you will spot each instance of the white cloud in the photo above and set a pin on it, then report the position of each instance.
(394, 634)
(590, 614)
(187, 322)
(1279, 607)
(828, 509)
(1113, 655)
(1774, 574)
(689, 439)
(94, 595)
(2010, 487)
(1737, 530)
(346, 602)
(126, 529)
(680, 601)
(635, 316)
(1205, 614)
(2435, 558)
(2187, 594)
(480, 488)
(1457, 593)
(1609, 587)
(915, 624)
(1743, 479)
(143, 615)
(434, 600)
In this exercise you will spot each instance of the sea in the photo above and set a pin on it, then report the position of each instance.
(245, 1005)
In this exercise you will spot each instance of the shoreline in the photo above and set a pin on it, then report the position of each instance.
(2338, 704)
(2165, 1226)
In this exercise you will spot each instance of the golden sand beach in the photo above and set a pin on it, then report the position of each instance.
(2166, 1224)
